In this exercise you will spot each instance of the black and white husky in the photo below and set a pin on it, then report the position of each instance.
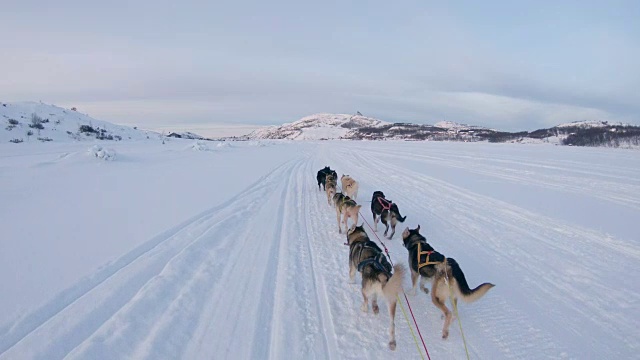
(445, 275)
(386, 211)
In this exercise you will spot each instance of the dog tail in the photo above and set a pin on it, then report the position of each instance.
(395, 209)
(394, 286)
(467, 294)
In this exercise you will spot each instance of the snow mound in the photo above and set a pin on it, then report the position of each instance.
(199, 146)
(102, 153)
(208, 146)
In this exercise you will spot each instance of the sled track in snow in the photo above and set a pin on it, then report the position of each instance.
(134, 306)
(265, 274)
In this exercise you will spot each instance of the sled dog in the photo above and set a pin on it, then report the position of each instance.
(321, 177)
(330, 187)
(378, 278)
(386, 211)
(349, 186)
(445, 273)
(345, 208)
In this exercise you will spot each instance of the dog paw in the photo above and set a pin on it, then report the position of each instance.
(376, 309)
(426, 290)
(445, 334)
(364, 308)
(392, 345)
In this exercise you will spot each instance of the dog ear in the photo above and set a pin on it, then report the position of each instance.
(418, 229)
(405, 233)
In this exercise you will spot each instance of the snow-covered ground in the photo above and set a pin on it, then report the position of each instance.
(232, 252)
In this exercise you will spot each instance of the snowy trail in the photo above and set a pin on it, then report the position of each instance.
(265, 274)
(141, 289)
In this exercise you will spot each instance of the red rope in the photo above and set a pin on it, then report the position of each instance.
(405, 294)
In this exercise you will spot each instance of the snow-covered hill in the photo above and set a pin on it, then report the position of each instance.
(32, 121)
(317, 127)
(357, 127)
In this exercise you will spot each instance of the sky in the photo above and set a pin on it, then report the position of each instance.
(512, 65)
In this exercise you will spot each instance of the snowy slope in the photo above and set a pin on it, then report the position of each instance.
(255, 268)
(58, 125)
(317, 127)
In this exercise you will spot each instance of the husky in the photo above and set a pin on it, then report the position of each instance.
(321, 177)
(347, 208)
(349, 186)
(378, 278)
(386, 211)
(330, 187)
(445, 273)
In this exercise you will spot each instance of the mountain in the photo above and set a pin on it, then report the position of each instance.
(32, 121)
(318, 127)
(358, 127)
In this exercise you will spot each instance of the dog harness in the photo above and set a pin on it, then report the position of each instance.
(428, 253)
(376, 263)
(386, 204)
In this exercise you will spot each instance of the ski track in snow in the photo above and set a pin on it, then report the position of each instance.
(265, 274)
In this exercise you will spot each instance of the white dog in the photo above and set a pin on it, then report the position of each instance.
(349, 186)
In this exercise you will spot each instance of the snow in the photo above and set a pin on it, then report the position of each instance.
(174, 253)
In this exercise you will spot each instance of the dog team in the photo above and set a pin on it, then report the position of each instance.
(378, 276)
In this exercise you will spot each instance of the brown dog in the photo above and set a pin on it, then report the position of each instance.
(345, 208)
(330, 187)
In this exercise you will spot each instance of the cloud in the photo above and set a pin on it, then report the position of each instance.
(267, 64)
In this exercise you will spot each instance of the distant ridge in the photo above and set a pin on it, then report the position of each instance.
(359, 127)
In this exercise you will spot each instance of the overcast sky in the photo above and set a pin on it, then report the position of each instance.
(505, 64)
